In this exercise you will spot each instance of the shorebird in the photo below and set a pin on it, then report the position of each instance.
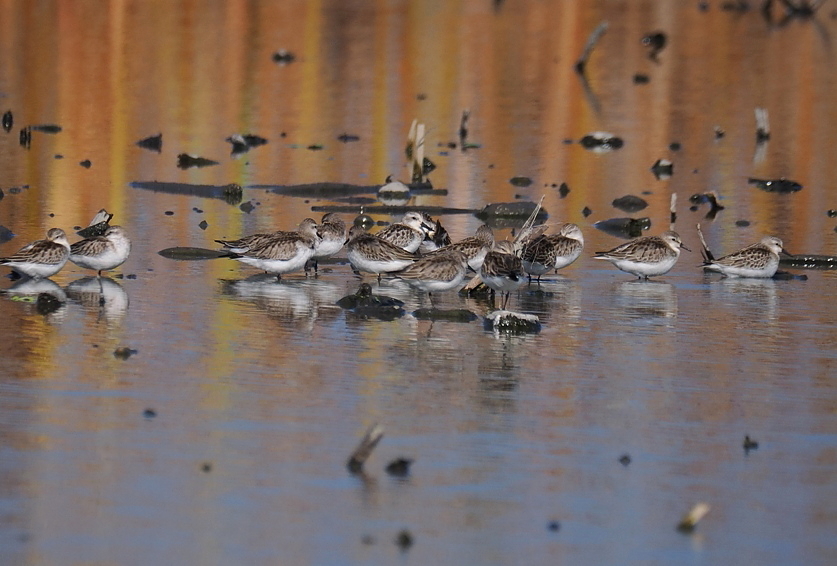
(41, 258)
(284, 253)
(502, 270)
(757, 260)
(552, 251)
(102, 253)
(367, 252)
(647, 256)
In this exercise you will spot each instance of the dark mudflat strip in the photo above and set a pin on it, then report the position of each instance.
(231, 193)
(331, 190)
(191, 254)
(393, 210)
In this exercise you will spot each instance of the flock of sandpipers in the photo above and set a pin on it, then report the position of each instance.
(417, 249)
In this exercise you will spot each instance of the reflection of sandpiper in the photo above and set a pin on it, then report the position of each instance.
(100, 293)
(41, 258)
(646, 256)
(102, 253)
(647, 300)
(33, 287)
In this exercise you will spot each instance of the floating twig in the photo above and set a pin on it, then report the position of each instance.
(365, 448)
(581, 64)
(689, 521)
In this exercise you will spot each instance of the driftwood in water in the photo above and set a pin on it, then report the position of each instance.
(364, 449)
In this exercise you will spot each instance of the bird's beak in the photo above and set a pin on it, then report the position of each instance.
(786, 253)
(682, 245)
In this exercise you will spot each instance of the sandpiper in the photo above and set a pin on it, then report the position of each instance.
(41, 258)
(473, 248)
(407, 234)
(441, 271)
(437, 238)
(759, 260)
(646, 256)
(253, 241)
(367, 252)
(552, 251)
(502, 270)
(284, 253)
(332, 231)
(104, 252)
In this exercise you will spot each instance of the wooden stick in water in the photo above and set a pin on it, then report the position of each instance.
(365, 448)
(581, 64)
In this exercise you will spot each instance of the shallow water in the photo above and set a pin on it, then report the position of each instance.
(272, 384)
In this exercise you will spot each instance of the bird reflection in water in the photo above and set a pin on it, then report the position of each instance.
(646, 301)
(102, 294)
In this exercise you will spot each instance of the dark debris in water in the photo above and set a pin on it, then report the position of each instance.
(563, 190)
(624, 227)
(186, 161)
(365, 298)
(149, 413)
(586, 211)
(231, 193)
(553, 526)
(630, 203)
(283, 57)
(123, 353)
(8, 121)
(346, 138)
(520, 181)
(662, 169)
(46, 128)
(5, 234)
(404, 540)
(601, 142)
(625, 459)
(749, 444)
(152, 143)
(780, 185)
(189, 254)
(400, 467)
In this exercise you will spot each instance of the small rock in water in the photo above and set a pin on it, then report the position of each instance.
(512, 322)
(123, 353)
(662, 169)
(625, 459)
(601, 142)
(203, 225)
(47, 304)
(86, 163)
(5, 235)
(553, 526)
(749, 444)
(780, 185)
(520, 181)
(563, 190)
(831, 213)
(169, 213)
(630, 203)
(624, 227)
(149, 413)
(742, 223)
(153, 143)
(247, 207)
(346, 138)
(206, 467)
(674, 146)
(447, 315)
(586, 212)
(641, 79)
(25, 138)
(404, 540)
(400, 467)
(8, 121)
(283, 57)
(185, 161)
